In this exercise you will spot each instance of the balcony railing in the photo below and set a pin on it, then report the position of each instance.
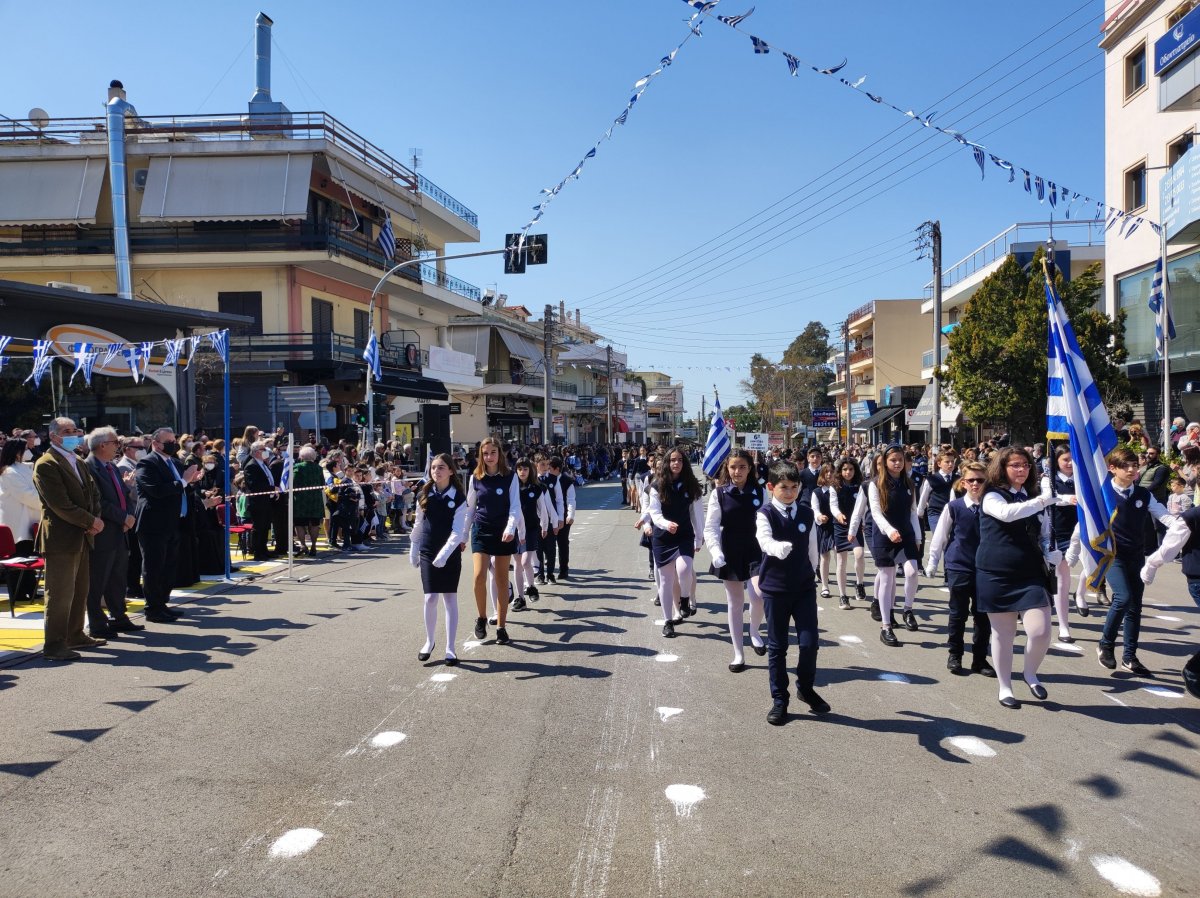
(254, 349)
(229, 238)
(239, 126)
(861, 354)
(528, 379)
(861, 312)
(836, 386)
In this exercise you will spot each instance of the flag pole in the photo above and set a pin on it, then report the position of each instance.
(1163, 317)
(289, 464)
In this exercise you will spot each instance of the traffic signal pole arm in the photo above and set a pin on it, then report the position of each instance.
(371, 316)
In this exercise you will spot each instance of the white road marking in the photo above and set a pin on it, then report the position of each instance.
(442, 677)
(1162, 692)
(666, 658)
(666, 714)
(1127, 878)
(471, 644)
(894, 678)
(295, 842)
(1068, 647)
(1167, 617)
(971, 745)
(592, 863)
(387, 739)
(943, 589)
(850, 639)
(685, 798)
(1115, 699)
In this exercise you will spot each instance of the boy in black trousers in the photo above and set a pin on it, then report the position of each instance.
(784, 529)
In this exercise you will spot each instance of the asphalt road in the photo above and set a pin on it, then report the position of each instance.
(283, 740)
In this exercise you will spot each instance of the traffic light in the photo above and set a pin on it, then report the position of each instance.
(537, 248)
(514, 257)
(360, 414)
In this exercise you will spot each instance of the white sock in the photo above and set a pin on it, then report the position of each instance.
(910, 584)
(430, 621)
(450, 603)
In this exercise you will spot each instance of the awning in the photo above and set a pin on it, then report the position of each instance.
(50, 191)
(372, 190)
(227, 188)
(622, 426)
(414, 386)
(519, 346)
(884, 414)
(473, 340)
(498, 418)
(922, 418)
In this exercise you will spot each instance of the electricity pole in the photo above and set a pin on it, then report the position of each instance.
(548, 367)
(608, 415)
(847, 380)
(935, 427)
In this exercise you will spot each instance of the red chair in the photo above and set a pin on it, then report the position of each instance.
(240, 529)
(8, 549)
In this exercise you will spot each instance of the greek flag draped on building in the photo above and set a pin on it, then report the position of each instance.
(387, 239)
(1074, 411)
(717, 446)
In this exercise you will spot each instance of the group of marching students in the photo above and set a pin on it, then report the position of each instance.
(1006, 542)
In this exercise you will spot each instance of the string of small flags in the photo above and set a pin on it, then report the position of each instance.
(1034, 184)
(137, 356)
(639, 88)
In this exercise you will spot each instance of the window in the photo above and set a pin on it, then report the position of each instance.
(322, 317)
(1135, 187)
(362, 327)
(1135, 71)
(248, 304)
(1177, 148)
(1180, 11)
(1133, 294)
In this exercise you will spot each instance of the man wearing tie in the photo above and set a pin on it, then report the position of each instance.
(70, 520)
(110, 548)
(260, 480)
(162, 503)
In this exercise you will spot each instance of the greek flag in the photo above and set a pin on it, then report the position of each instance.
(387, 239)
(4, 341)
(84, 360)
(1160, 305)
(1075, 411)
(717, 446)
(371, 356)
(41, 362)
(285, 477)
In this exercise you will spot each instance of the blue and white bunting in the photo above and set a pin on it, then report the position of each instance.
(147, 349)
(133, 358)
(760, 46)
(734, 21)
(81, 352)
(194, 342)
(41, 362)
(219, 341)
(174, 351)
(111, 351)
(4, 341)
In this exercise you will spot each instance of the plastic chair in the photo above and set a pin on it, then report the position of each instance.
(8, 549)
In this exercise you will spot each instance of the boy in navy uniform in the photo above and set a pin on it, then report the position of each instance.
(566, 486)
(784, 528)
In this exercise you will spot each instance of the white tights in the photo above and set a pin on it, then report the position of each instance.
(860, 566)
(735, 597)
(823, 568)
(885, 589)
(1037, 642)
(670, 577)
(1062, 597)
(523, 571)
(450, 602)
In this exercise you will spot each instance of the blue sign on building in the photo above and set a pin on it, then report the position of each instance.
(860, 411)
(1179, 197)
(1173, 46)
(824, 418)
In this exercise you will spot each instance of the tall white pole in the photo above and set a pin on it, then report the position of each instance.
(1166, 348)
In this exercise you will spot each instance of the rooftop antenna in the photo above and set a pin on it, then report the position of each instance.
(414, 153)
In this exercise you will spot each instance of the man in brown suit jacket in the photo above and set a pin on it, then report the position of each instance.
(70, 518)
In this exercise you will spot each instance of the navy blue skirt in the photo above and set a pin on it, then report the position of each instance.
(669, 546)
(441, 579)
(999, 593)
(489, 542)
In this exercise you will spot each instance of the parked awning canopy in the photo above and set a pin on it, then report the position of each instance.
(519, 346)
(227, 188)
(50, 191)
(374, 190)
(884, 414)
(922, 418)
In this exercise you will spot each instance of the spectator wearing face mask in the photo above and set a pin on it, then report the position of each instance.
(161, 508)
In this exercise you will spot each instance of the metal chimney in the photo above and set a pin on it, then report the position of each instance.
(262, 60)
(117, 110)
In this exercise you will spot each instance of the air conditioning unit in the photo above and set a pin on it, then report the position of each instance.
(63, 285)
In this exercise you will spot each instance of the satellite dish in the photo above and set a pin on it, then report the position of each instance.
(39, 116)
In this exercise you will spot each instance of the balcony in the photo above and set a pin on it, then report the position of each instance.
(267, 351)
(861, 312)
(862, 355)
(231, 237)
(518, 378)
(837, 386)
(298, 126)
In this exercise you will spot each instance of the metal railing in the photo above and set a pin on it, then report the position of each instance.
(861, 312)
(520, 378)
(331, 347)
(237, 126)
(861, 354)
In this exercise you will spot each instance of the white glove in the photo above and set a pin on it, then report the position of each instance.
(780, 550)
(718, 559)
(414, 559)
(1148, 572)
(1073, 551)
(439, 562)
(1053, 557)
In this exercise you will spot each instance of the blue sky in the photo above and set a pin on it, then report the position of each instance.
(663, 242)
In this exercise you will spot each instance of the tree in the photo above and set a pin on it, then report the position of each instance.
(797, 382)
(997, 363)
(745, 418)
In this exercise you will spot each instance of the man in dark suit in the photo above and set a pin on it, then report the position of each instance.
(70, 519)
(161, 504)
(110, 548)
(260, 480)
(279, 509)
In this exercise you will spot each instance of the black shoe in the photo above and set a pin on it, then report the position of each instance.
(124, 625)
(668, 629)
(541, 580)
(103, 633)
(817, 704)
(1039, 691)
(1067, 639)
(860, 592)
(62, 655)
(759, 650)
(686, 608)
(825, 592)
(518, 604)
(910, 619)
(424, 656)
(551, 577)
(1084, 610)
(1133, 666)
(531, 593)
(983, 669)
(1191, 677)
(502, 636)
(1106, 657)
(887, 637)
(954, 664)
(736, 667)
(876, 614)
(778, 714)
(844, 603)
(157, 617)
(1009, 702)
(452, 661)
(481, 628)
(171, 612)
(563, 575)
(657, 600)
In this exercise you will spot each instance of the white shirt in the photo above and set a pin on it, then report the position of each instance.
(70, 456)
(941, 535)
(772, 546)
(458, 529)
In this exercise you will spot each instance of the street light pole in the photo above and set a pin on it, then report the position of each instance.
(370, 435)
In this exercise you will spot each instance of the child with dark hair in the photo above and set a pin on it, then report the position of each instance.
(562, 535)
(846, 542)
(784, 529)
(438, 534)
(678, 533)
(822, 507)
(892, 499)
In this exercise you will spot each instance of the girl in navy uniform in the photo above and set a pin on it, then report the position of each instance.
(784, 529)
(956, 540)
(495, 509)
(536, 522)
(937, 489)
(1010, 567)
(823, 510)
(436, 542)
(891, 496)
(861, 523)
(729, 533)
(1063, 521)
(678, 527)
(842, 500)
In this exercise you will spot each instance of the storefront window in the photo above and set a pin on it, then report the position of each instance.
(1133, 295)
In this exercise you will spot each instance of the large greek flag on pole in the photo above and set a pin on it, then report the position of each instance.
(1160, 305)
(1074, 411)
(717, 446)
(371, 356)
